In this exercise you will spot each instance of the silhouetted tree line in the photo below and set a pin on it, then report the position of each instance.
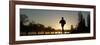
(26, 26)
(81, 26)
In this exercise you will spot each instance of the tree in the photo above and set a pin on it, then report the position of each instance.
(81, 28)
(23, 20)
(80, 16)
(88, 23)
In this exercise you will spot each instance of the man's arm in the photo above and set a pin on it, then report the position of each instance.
(60, 21)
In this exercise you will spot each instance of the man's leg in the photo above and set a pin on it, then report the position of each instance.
(62, 30)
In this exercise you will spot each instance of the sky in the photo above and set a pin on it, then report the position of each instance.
(52, 17)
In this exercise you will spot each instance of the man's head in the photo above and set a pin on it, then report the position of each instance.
(62, 18)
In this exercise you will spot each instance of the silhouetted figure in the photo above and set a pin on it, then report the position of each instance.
(63, 22)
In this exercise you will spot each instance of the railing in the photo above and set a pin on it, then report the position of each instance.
(42, 33)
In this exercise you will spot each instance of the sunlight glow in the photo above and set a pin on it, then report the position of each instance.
(66, 27)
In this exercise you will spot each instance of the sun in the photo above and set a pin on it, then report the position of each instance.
(58, 26)
(66, 27)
